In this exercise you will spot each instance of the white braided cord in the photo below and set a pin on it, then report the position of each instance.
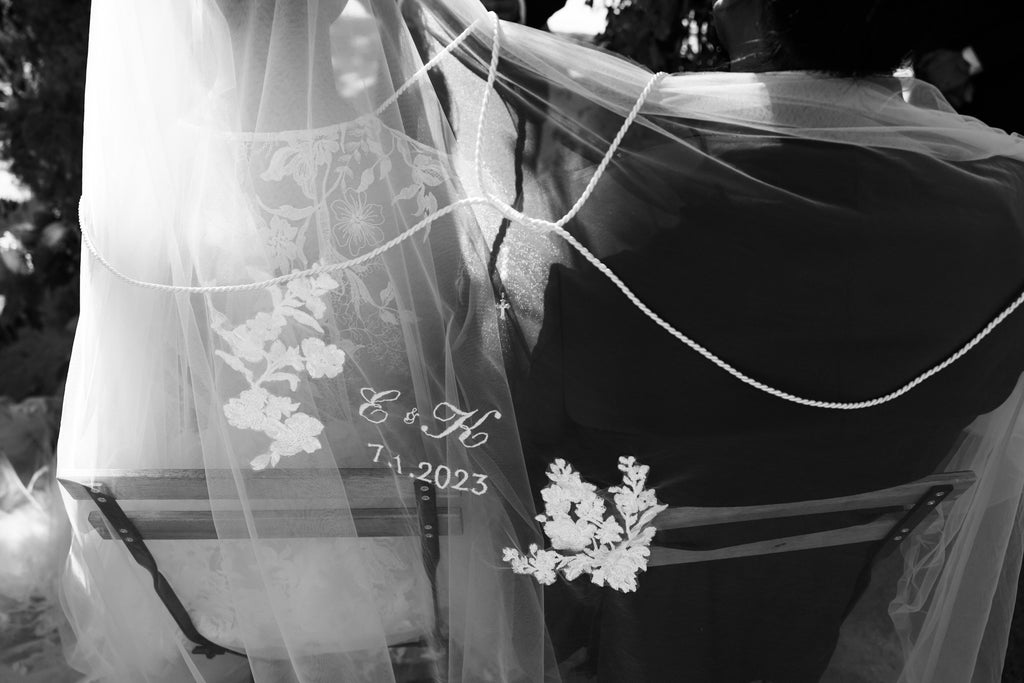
(266, 284)
(557, 227)
(434, 61)
(538, 224)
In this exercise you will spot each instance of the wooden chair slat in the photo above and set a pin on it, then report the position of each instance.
(872, 531)
(383, 505)
(365, 487)
(156, 525)
(903, 496)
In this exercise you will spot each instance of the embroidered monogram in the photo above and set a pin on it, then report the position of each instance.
(372, 410)
(456, 419)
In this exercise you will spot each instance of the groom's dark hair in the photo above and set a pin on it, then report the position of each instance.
(843, 37)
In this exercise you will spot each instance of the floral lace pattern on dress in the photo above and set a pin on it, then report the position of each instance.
(331, 194)
(225, 600)
(322, 197)
(612, 548)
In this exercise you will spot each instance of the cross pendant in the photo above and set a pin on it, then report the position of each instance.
(503, 306)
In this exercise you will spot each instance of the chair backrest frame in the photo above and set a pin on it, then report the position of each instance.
(898, 510)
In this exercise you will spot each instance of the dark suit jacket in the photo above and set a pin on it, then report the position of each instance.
(892, 267)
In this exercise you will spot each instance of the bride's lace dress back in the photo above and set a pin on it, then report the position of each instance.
(283, 289)
(317, 197)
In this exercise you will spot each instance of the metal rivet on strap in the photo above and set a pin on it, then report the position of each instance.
(428, 527)
(931, 502)
(429, 535)
(123, 531)
(939, 494)
(128, 539)
(424, 488)
(424, 497)
(897, 538)
(904, 531)
(101, 499)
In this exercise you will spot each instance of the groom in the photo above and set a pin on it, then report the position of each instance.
(831, 270)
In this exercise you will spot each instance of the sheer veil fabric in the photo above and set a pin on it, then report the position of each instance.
(230, 144)
(300, 217)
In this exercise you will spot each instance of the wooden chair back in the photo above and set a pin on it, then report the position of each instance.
(380, 508)
(897, 511)
(378, 505)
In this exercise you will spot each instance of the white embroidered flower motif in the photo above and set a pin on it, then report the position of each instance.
(282, 356)
(568, 534)
(257, 409)
(542, 564)
(247, 340)
(259, 355)
(427, 170)
(264, 327)
(310, 291)
(325, 146)
(300, 159)
(619, 568)
(281, 238)
(322, 360)
(358, 222)
(613, 549)
(296, 434)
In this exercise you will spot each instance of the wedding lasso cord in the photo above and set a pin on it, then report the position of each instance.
(557, 227)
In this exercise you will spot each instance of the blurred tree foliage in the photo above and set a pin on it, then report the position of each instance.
(38, 299)
(43, 45)
(42, 87)
(664, 35)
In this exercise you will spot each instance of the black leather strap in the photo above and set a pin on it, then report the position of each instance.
(430, 533)
(132, 539)
(429, 528)
(922, 509)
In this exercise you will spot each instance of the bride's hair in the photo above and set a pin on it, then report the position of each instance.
(843, 37)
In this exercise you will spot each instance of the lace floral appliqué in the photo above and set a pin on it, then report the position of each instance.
(259, 355)
(333, 194)
(319, 197)
(585, 539)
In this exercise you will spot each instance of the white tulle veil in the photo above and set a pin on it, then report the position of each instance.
(290, 208)
(287, 153)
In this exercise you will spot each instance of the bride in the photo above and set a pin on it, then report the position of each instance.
(348, 256)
